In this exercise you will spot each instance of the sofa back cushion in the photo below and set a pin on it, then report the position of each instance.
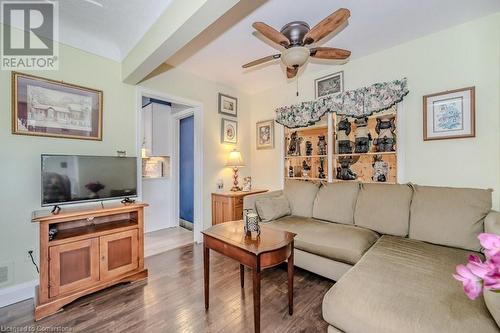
(272, 208)
(449, 216)
(384, 208)
(300, 195)
(335, 202)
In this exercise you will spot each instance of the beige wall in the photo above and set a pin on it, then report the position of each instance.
(20, 155)
(465, 55)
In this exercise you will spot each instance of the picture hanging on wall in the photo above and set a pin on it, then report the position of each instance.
(330, 84)
(229, 131)
(265, 134)
(44, 107)
(228, 105)
(450, 114)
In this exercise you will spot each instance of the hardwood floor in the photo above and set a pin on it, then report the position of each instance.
(166, 239)
(172, 301)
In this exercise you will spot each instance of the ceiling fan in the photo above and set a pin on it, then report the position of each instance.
(296, 36)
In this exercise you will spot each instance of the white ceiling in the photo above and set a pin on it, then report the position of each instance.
(373, 26)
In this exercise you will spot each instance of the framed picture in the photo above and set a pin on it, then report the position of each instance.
(229, 131)
(228, 105)
(46, 107)
(450, 114)
(265, 134)
(330, 84)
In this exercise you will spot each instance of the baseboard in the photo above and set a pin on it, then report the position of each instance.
(17, 293)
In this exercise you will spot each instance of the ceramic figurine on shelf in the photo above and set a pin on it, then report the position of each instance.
(290, 171)
(362, 136)
(309, 148)
(344, 171)
(306, 168)
(322, 145)
(294, 146)
(343, 131)
(321, 168)
(380, 169)
(386, 126)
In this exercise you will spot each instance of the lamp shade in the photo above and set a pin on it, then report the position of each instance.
(235, 159)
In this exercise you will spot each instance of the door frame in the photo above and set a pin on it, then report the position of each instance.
(194, 108)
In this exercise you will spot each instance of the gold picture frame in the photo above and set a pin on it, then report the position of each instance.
(50, 108)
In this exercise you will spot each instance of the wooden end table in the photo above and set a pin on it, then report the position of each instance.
(269, 249)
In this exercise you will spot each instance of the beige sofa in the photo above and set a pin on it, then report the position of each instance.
(392, 250)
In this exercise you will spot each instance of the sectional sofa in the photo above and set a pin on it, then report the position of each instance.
(392, 250)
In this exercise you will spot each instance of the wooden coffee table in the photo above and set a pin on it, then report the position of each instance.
(271, 248)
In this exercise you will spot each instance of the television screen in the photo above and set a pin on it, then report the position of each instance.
(70, 178)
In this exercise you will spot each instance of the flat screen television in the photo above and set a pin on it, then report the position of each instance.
(70, 179)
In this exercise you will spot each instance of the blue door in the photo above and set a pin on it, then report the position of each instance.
(186, 169)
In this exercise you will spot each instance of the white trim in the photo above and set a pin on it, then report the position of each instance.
(17, 293)
(196, 108)
(400, 144)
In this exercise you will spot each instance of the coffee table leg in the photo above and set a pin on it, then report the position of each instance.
(242, 275)
(256, 295)
(206, 267)
(290, 283)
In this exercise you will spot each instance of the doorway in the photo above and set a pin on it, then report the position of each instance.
(186, 172)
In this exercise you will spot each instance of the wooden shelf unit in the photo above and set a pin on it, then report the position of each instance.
(94, 248)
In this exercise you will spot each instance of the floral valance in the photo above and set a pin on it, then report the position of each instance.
(356, 103)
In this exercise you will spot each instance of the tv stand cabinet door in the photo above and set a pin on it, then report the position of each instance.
(119, 254)
(73, 266)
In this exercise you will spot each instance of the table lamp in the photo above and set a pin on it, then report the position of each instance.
(235, 161)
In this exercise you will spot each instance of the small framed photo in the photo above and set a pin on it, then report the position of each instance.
(228, 105)
(265, 134)
(46, 107)
(330, 84)
(450, 114)
(229, 131)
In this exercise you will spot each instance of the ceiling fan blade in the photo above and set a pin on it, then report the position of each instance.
(329, 53)
(327, 25)
(271, 33)
(262, 60)
(291, 72)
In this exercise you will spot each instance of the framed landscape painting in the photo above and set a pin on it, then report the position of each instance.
(228, 105)
(265, 134)
(229, 131)
(46, 107)
(330, 84)
(450, 114)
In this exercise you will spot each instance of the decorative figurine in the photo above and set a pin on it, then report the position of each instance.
(321, 168)
(322, 145)
(380, 169)
(247, 184)
(220, 184)
(294, 147)
(362, 136)
(309, 148)
(343, 131)
(52, 233)
(306, 168)
(343, 171)
(385, 129)
(251, 224)
(290, 171)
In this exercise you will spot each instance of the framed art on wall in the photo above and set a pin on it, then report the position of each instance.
(330, 84)
(44, 107)
(450, 114)
(265, 134)
(229, 131)
(228, 105)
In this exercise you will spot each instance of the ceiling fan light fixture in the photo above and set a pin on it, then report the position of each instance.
(295, 56)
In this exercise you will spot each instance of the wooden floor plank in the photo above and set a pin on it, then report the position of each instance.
(172, 300)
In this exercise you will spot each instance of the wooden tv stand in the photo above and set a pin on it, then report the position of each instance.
(93, 249)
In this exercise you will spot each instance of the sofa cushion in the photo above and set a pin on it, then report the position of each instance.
(300, 195)
(272, 208)
(402, 285)
(449, 216)
(384, 208)
(345, 243)
(335, 202)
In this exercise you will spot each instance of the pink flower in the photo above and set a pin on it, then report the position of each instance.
(471, 283)
(490, 243)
